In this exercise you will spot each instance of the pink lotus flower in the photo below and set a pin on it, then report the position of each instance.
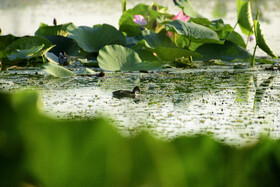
(140, 20)
(181, 16)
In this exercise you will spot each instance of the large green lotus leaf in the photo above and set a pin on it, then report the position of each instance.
(226, 32)
(63, 44)
(184, 42)
(236, 38)
(52, 58)
(58, 71)
(119, 58)
(201, 21)
(154, 40)
(169, 54)
(28, 42)
(244, 17)
(26, 53)
(145, 53)
(93, 39)
(4, 42)
(131, 41)
(261, 41)
(228, 51)
(58, 30)
(126, 23)
(187, 8)
(26, 45)
(195, 32)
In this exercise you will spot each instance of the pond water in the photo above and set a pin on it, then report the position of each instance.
(236, 106)
(234, 103)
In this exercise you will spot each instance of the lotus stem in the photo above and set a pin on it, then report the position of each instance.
(43, 59)
(254, 54)
(191, 60)
(232, 30)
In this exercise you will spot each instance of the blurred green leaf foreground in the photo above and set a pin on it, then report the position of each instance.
(39, 151)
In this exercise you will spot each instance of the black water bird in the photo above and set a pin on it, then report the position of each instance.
(62, 59)
(126, 93)
(101, 74)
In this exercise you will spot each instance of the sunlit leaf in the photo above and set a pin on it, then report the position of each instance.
(58, 71)
(25, 53)
(194, 32)
(58, 30)
(187, 8)
(201, 21)
(28, 42)
(52, 58)
(119, 58)
(226, 32)
(27, 47)
(244, 17)
(154, 40)
(93, 39)
(261, 41)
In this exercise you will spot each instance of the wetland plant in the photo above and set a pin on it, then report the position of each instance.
(148, 38)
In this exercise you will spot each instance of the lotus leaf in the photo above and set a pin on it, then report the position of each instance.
(244, 17)
(63, 44)
(28, 42)
(261, 41)
(119, 58)
(194, 32)
(154, 40)
(201, 21)
(226, 32)
(4, 42)
(93, 39)
(58, 30)
(25, 53)
(228, 51)
(58, 71)
(187, 8)
(145, 53)
(27, 46)
(169, 54)
(52, 58)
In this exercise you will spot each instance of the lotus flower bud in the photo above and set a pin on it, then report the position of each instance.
(54, 22)
(155, 7)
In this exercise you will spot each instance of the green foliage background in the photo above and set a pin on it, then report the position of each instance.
(41, 151)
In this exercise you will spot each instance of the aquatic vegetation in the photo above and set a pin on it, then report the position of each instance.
(154, 36)
(39, 151)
